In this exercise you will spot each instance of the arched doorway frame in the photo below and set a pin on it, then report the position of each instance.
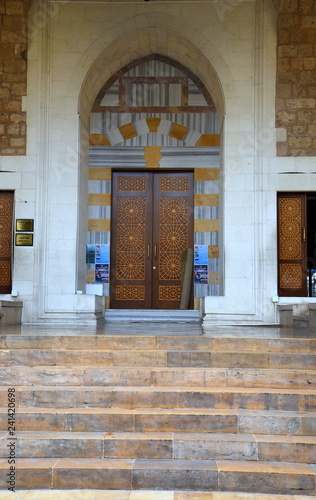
(106, 66)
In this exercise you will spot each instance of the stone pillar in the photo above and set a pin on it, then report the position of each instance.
(286, 315)
(312, 317)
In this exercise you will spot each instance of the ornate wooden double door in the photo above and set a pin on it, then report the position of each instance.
(152, 225)
(297, 244)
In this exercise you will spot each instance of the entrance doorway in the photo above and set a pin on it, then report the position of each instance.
(6, 216)
(152, 227)
(297, 244)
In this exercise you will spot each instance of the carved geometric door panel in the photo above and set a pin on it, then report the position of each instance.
(152, 223)
(292, 244)
(173, 234)
(6, 216)
(131, 236)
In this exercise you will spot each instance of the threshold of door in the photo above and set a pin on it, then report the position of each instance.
(150, 315)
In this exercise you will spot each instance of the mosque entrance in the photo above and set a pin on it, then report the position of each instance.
(152, 125)
(152, 227)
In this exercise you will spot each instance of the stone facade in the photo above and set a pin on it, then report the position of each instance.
(296, 77)
(13, 67)
(73, 51)
(295, 82)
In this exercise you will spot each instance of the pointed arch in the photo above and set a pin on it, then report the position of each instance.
(167, 60)
(146, 43)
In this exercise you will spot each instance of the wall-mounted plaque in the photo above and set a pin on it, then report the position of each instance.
(24, 240)
(24, 225)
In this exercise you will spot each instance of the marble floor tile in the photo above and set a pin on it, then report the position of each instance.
(193, 495)
(151, 495)
(142, 495)
(233, 496)
(259, 496)
(148, 328)
(18, 495)
(77, 495)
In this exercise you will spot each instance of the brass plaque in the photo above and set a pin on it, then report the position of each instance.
(24, 240)
(24, 225)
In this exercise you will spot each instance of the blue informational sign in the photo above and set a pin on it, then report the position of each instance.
(90, 254)
(102, 254)
(102, 273)
(201, 264)
(99, 255)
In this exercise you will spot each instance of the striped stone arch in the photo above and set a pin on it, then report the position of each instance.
(167, 128)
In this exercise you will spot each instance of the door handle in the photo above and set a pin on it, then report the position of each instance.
(304, 234)
(148, 251)
(155, 252)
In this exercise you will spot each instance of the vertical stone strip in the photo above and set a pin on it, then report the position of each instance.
(13, 54)
(296, 77)
(206, 227)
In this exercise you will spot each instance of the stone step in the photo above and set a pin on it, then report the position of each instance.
(204, 446)
(153, 377)
(162, 420)
(161, 445)
(93, 494)
(139, 474)
(153, 315)
(142, 342)
(153, 358)
(163, 397)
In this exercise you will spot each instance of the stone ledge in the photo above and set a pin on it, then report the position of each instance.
(11, 303)
(306, 322)
(10, 312)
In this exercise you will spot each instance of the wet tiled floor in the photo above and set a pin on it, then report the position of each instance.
(156, 328)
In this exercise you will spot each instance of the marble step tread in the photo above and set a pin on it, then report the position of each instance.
(139, 342)
(159, 420)
(103, 494)
(162, 445)
(157, 357)
(153, 315)
(162, 397)
(139, 474)
(158, 376)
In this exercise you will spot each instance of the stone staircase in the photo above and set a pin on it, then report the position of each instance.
(160, 413)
